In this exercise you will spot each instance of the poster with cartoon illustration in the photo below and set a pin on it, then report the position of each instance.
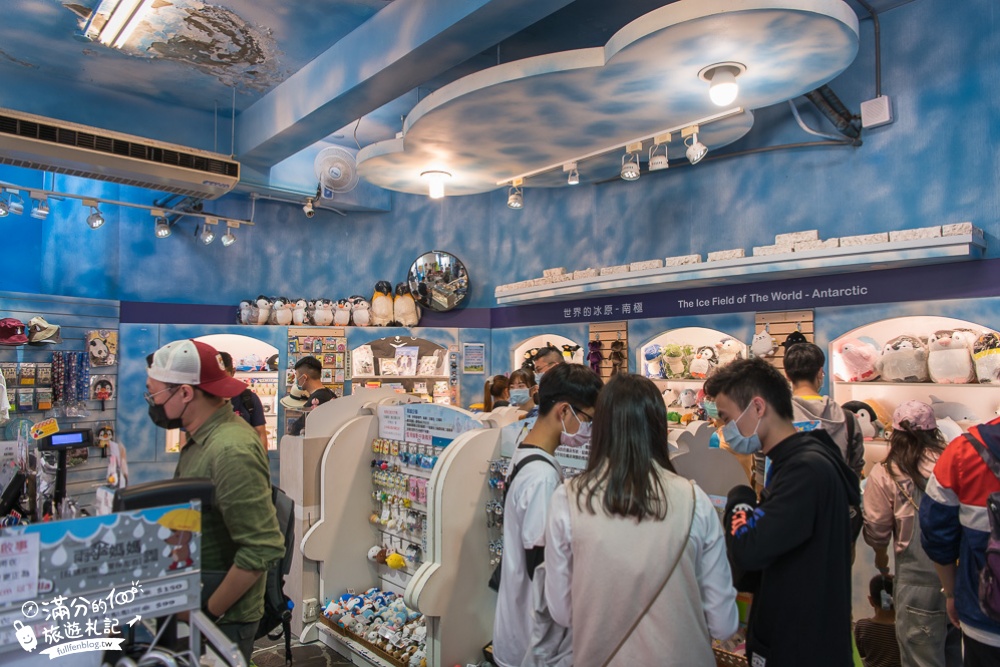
(102, 344)
(102, 387)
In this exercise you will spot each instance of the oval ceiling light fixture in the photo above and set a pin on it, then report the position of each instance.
(207, 234)
(96, 219)
(658, 161)
(435, 182)
(721, 77)
(515, 195)
(695, 149)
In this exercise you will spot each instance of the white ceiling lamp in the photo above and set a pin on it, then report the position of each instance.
(574, 174)
(435, 182)
(4, 207)
(229, 238)
(162, 225)
(515, 195)
(40, 210)
(207, 234)
(96, 219)
(630, 162)
(14, 202)
(695, 149)
(121, 18)
(657, 160)
(721, 77)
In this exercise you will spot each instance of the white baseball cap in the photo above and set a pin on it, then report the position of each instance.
(197, 364)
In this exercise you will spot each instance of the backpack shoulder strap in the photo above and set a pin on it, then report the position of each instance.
(991, 461)
(849, 424)
(247, 399)
(517, 468)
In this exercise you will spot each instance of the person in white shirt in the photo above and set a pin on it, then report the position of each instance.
(565, 405)
(622, 528)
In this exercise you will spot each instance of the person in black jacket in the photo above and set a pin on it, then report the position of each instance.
(798, 539)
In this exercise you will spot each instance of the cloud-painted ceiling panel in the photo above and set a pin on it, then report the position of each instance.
(525, 115)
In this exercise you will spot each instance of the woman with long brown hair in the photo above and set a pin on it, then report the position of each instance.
(640, 542)
(892, 502)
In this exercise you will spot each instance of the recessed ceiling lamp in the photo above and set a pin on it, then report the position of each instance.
(15, 203)
(40, 210)
(435, 182)
(162, 227)
(630, 162)
(515, 195)
(228, 238)
(121, 18)
(574, 174)
(4, 207)
(695, 149)
(721, 77)
(207, 234)
(658, 161)
(96, 218)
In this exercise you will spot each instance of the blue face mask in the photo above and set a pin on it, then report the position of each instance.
(739, 443)
(519, 396)
(711, 409)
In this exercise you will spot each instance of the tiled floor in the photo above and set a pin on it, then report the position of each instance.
(270, 653)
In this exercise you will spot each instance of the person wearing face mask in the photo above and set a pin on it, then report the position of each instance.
(308, 371)
(799, 532)
(629, 494)
(187, 387)
(565, 409)
(521, 384)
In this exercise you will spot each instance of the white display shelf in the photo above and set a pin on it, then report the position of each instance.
(351, 648)
(399, 377)
(928, 385)
(758, 269)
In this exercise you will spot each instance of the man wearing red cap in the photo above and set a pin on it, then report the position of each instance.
(187, 386)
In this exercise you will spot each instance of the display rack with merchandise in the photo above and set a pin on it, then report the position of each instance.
(408, 365)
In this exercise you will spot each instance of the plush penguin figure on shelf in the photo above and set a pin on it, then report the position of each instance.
(382, 310)
(568, 351)
(263, 306)
(870, 425)
(986, 354)
(243, 315)
(903, 359)
(703, 363)
(729, 350)
(323, 313)
(405, 310)
(360, 313)
(595, 356)
(949, 356)
(300, 315)
(342, 313)
(281, 311)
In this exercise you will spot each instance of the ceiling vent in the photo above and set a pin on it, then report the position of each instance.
(78, 150)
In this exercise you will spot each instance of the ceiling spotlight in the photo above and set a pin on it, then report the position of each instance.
(308, 208)
(40, 210)
(721, 77)
(162, 227)
(228, 238)
(15, 207)
(4, 207)
(574, 174)
(435, 182)
(695, 149)
(657, 160)
(96, 218)
(207, 234)
(630, 162)
(515, 195)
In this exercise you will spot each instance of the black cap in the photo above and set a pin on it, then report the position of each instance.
(309, 362)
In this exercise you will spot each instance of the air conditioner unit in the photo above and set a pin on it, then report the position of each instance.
(78, 150)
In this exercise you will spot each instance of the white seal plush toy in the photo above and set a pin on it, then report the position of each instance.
(323, 315)
(763, 344)
(263, 307)
(986, 353)
(342, 313)
(299, 314)
(360, 314)
(244, 313)
(404, 308)
(903, 359)
(949, 357)
(854, 361)
(382, 309)
(281, 311)
(703, 363)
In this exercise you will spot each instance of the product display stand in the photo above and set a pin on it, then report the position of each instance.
(449, 588)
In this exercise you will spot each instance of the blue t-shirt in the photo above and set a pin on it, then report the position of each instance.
(255, 415)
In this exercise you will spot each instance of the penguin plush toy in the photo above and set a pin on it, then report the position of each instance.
(323, 314)
(382, 307)
(404, 308)
(342, 313)
(299, 315)
(360, 314)
(244, 314)
(281, 311)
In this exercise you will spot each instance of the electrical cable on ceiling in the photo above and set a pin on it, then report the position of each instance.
(356, 126)
(806, 128)
(878, 46)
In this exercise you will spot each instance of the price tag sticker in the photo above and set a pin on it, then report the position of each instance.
(45, 428)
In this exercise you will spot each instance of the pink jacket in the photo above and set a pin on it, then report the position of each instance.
(887, 511)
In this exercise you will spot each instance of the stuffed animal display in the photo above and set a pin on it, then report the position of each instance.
(854, 360)
(763, 344)
(281, 311)
(381, 620)
(730, 350)
(653, 357)
(949, 356)
(405, 309)
(871, 427)
(903, 359)
(382, 306)
(687, 361)
(595, 356)
(402, 310)
(360, 313)
(794, 338)
(703, 363)
(675, 359)
(986, 354)
(617, 356)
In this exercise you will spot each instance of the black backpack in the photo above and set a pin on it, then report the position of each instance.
(277, 605)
